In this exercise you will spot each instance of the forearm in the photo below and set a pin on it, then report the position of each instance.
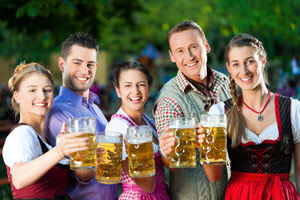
(85, 174)
(25, 174)
(297, 180)
(212, 172)
(297, 166)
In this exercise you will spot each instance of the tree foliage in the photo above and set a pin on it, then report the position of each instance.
(34, 28)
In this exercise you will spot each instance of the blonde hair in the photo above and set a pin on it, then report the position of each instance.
(235, 120)
(21, 72)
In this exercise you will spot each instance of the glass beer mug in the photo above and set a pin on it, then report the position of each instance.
(140, 151)
(109, 170)
(84, 159)
(183, 154)
(213, 148)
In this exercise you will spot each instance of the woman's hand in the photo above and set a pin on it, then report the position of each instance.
(200, 134)
(100, 155)
(71, 142)
(166, 141)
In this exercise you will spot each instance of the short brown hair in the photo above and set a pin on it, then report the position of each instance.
(183, 26)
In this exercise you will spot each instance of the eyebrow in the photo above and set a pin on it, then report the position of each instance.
(77, 59)
(131, 82)
(37, 86)
(245, 59)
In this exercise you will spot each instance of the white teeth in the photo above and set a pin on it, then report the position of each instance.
(189, 65)
(245, 79)
(40, 104)
(81, 79)
(135, 99)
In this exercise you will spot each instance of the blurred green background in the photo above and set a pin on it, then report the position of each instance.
(32, 30)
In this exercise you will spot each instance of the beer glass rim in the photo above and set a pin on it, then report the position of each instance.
(110, 133)
(80, 118)
(139, 126)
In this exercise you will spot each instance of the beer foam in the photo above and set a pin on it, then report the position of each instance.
(139, 140)
(181, 126)
(214, 124)
(109, 139)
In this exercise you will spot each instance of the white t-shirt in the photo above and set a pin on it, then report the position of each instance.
(271, 132)
(121, 125)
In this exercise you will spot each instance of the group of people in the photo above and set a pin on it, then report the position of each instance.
(263, 127)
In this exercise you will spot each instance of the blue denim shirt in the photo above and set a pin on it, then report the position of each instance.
(69, 104)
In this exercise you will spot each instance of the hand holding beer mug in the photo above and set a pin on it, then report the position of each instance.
(84, 159)
(213, 147)
(183, 154)
(140, 151)
(110, 166)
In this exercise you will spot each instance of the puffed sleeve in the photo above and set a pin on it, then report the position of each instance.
(217, 108)
(295, 118)
(120, 126)
(21, 145)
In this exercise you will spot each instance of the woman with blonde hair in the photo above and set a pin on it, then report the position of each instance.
(33, 166)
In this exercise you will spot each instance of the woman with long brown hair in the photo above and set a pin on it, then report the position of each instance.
(263, 128)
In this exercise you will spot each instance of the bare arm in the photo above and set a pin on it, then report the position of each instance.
(297, 166)
(85, 174)
(27, 173)
(212, 172)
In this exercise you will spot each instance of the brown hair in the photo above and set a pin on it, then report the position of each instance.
(21, 72)
(125, 66)
(186, 25)
(235, 120)
(81, 39)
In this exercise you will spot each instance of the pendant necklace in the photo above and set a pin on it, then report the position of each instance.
(260, 117)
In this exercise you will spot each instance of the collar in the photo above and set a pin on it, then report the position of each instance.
(77, 99)
(184, 83)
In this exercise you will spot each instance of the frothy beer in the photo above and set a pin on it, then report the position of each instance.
(110, 169)
(213, 149)
(84, 159)
(183, 154)
(140, 153)
(87, 158)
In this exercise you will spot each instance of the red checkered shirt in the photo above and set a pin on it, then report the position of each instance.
(167, 108)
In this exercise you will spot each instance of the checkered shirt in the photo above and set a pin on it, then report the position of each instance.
(167, 108)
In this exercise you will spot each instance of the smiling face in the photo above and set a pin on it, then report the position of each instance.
(189, 51)
(133, 90)
(79, 69)
(34, 96)
(246, 67)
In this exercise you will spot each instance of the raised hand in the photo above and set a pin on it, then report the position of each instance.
(166, 141)
(71, 142)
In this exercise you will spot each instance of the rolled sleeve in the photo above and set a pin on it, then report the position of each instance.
(166, 109)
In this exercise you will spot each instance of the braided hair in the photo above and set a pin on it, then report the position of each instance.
(235, 119)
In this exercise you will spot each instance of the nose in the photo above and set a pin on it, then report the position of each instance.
(191, 54)
(42, 94)
(136, 89)
(245, 68)
(84, 69)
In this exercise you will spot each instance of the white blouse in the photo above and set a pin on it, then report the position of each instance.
(22, 145)
(121, 125)
(271, 132)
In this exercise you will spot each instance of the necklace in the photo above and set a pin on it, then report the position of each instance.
(260, 117)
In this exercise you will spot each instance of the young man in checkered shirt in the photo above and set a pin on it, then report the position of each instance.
(195, 88)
